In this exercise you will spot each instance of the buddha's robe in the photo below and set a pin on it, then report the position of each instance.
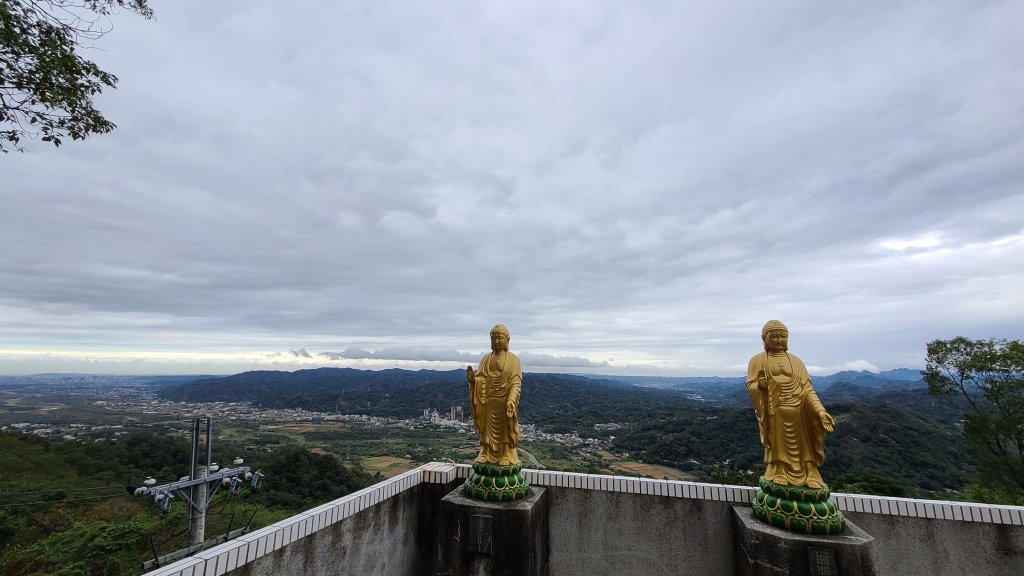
(497, 384)
(789, 420)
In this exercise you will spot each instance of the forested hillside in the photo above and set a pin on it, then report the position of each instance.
(917, 452)
(555, 402)
(65, 509)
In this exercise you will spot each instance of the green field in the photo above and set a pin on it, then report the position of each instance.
(388, 466)
(392, 450)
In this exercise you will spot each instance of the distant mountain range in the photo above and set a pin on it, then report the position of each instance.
(691, 423)
(559, 402)
(404, 393)
(880, 379)
(731, 390)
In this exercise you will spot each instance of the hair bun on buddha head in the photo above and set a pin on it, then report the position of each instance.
(773, 325)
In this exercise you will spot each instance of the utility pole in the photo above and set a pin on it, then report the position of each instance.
(197, 524)
(195, 490)
(193, 465)
(197, 472)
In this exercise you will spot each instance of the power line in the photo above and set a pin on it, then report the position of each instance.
(63, 501)
(16, 493)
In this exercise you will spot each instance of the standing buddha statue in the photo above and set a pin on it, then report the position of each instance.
(792, 423)
(494, 392)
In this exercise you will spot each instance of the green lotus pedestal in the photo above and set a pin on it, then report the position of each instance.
(762, 549)
(798, 508)
(496, 483)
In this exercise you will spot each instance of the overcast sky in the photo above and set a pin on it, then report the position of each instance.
(631, 187)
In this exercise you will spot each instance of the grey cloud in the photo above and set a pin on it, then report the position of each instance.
(402, 353)
(532, 360)
(650, 180)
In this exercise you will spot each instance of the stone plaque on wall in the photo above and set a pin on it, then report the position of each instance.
(480, 534)
(822, 561)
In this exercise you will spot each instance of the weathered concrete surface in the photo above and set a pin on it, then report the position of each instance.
(518, 536)
(764, 550)
(395, 537)
(930, 547)
(597, 532)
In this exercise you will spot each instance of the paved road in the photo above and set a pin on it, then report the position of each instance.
(533, 459)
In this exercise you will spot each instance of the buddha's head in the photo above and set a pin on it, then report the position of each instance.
(775, 336)
(499, 338)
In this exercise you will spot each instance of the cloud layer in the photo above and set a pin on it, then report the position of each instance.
(634, 186)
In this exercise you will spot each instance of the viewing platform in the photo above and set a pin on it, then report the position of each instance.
(606, 525)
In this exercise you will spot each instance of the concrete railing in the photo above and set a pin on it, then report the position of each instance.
(603, 524)
(689, 524)
(272, 540)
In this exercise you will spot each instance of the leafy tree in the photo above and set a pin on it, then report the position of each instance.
(919, 453)
(749, 477)
(298, 478)
(9, 526)
(61, 530)
(989, 375)
(46, 87)
(868, 483)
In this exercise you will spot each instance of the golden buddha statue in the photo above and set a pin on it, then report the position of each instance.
(791, 419)
(494, 399)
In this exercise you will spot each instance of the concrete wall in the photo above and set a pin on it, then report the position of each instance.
(934, 547)
(606, 525)
(388, 528)
(620, 533)
(645, 526)
(595, 532)
(386, 539)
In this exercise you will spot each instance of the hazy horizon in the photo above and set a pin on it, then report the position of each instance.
(813, 371)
